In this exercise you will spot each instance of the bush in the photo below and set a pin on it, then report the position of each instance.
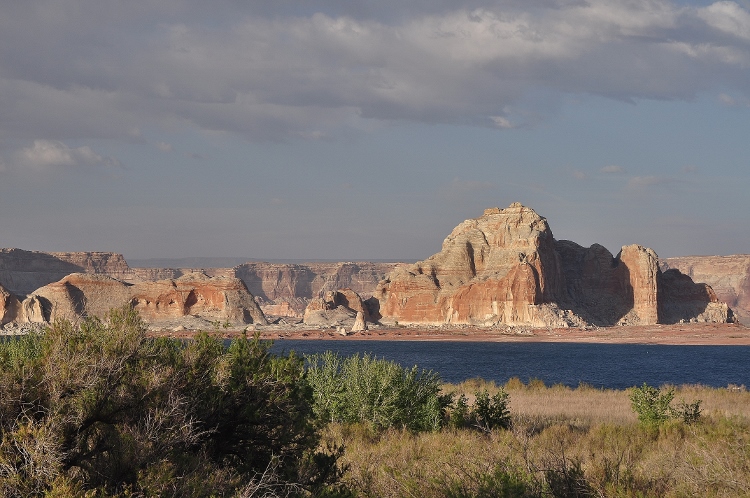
(654, 406)
(382, 393)
(487, 412)
(491, 412)
(100, 407)
(651, 405)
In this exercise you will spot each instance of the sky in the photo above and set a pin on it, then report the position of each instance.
(355, 130)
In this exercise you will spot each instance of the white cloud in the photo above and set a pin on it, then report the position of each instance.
(51, 154)
(728, 17)
(612, 169)
(261, 73)
(501, 122)
(579, 175)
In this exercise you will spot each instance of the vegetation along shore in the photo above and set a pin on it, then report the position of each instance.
(99, 408)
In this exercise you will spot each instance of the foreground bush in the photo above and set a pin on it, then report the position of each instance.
(97, 406)
(379, 392)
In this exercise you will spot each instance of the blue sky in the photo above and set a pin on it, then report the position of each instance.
(345, 130)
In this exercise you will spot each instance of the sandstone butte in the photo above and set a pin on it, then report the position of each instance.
(505, 267)
(193, 295)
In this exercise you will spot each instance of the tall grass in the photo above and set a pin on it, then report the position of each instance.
(563, 442)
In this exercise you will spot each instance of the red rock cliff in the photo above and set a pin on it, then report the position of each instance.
(505, 267)
(499, 267)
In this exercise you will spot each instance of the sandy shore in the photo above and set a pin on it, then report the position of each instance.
(725, 334)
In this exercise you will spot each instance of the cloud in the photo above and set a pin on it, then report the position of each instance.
(44, 154)
(164, 147)
(298, 70)
(612, 169)
(730, 101)
(641, 183)
(579, 175)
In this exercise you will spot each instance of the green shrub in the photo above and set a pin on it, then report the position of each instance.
(99, 407)
(460, 413)
(651, 405)
(367, 389)
(689, 413)
(654, 406)
(491, 412)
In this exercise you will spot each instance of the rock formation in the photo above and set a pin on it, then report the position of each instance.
(506, 267)
(359, 323)
(209, 298)
(728, 276)
(336, 308)
(274, 281)
(22, 272)
(10, 307)
(221, 299)
(76, 295)
(682, 300)
(498, 268)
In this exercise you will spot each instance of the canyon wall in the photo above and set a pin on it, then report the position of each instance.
(22, 272)
(278, 281)
(505, 267)
(728, 276)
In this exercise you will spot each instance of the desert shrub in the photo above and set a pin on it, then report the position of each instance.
(653, 406)
(382, 393)
(98, 407)
(460, 413)
(689, 413)
(490, 412)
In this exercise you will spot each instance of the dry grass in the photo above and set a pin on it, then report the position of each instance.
(585, 405)
(558, 431)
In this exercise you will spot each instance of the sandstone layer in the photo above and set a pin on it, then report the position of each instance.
(221, 299)
(22, 272)
(275, 281)
(505, 267)
(728, 276)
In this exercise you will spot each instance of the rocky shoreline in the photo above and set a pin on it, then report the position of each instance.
(703, 334)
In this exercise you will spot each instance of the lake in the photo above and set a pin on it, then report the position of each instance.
(615, 366)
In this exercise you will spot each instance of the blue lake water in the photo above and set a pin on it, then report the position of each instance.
(615, 366)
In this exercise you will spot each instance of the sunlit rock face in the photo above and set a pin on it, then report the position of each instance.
(505, 267)
(222, 299)
(499, 268)
(212, 298)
